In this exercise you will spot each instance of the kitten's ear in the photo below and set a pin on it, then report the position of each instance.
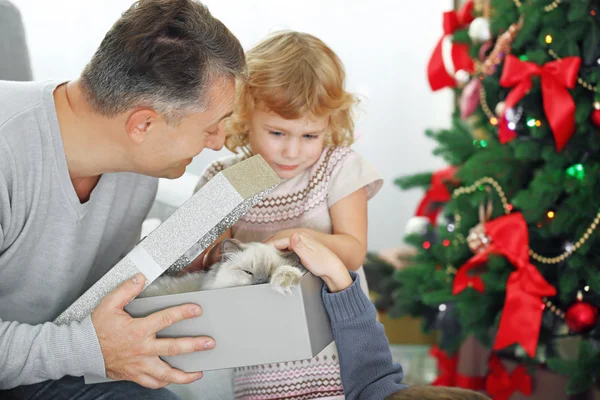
(229, 246)
(292, 257)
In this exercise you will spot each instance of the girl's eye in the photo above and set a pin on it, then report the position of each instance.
(310, 136)
(276, 133)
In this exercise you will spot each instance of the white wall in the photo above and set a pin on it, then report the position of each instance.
(385, 45)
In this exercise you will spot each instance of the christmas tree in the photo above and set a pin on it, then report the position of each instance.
(507, 235)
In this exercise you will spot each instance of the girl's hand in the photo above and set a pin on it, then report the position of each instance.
(286, 234)
(318, 259)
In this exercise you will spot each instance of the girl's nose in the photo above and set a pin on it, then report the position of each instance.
(291, 149)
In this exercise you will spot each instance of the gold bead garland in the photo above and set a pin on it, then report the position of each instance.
(550, 7)
(580, 80)
(492, 118)
(505, 205)
(554, 309)
(572, 249)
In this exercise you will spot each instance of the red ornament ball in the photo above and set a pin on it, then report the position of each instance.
(595, 116)
(581, 317)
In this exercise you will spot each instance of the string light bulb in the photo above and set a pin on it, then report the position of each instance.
(576, 171)
(548, 39)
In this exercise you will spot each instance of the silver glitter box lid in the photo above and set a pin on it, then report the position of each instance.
(199, 221)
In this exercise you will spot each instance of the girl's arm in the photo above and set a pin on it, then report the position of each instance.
(349, 221)
(349, 238)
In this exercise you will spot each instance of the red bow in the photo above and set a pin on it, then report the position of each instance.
(437, 72)
(449, 376)
(437, 193)
(500, 385)
(446, 367)
(556, 78)
(522, 314)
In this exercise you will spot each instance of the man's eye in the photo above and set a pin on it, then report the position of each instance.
(275, 133)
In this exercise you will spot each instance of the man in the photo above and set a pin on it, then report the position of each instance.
(79, 163)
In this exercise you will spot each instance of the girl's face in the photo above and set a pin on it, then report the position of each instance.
(289, 146)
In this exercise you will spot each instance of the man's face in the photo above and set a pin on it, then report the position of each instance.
(171, 148)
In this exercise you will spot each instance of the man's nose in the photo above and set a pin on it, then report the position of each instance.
(218, 140)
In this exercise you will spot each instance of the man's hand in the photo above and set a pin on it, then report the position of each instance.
(129, 345)
(318, 259)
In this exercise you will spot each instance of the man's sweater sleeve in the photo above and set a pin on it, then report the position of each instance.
(366, 365)
(35, 353)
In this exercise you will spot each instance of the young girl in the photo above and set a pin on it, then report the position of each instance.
(293, 110)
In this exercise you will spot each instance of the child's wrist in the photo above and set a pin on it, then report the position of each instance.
(338, 281)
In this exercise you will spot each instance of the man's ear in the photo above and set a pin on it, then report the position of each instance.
(140, 123)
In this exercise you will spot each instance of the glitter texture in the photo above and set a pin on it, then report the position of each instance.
(206, 215)
(217, 231)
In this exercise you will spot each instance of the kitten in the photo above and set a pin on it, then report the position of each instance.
(241, 265)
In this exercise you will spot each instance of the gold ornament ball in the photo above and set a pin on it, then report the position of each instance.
(477, 239)
(499, 110)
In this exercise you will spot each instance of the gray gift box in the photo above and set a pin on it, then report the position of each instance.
(251, 325)
(198, 222)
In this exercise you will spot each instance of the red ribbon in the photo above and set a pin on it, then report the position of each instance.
(437, 193)
(447, 367)
(525, 287)
(556, 78)
(449, 376)
(501, 385)
(436, 70)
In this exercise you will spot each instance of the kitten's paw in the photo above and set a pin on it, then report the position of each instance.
(285, 278)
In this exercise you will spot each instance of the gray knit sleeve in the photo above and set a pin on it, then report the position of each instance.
(35, 353)
(366, 365)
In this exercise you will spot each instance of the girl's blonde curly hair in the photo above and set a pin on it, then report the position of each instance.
(293, 73)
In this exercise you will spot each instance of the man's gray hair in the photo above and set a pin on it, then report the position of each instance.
(162, 54)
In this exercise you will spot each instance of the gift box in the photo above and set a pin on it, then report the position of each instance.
(251, 325)
(198, 222)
